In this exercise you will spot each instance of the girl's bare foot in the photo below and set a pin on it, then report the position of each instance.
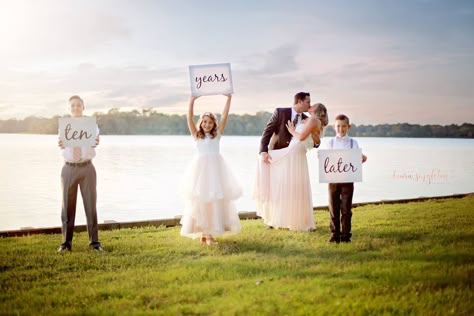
(211, 241)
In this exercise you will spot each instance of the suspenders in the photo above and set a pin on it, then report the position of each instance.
(332, 143)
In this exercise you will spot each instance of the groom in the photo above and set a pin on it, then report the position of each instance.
(276, 129)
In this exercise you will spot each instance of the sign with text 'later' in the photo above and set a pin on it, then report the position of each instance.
(78, 131)
(340, 165)
(211, 79)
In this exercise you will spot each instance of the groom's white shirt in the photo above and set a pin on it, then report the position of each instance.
(293, 115)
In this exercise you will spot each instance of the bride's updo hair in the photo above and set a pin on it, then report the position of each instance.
(200, 133)
(321, 113)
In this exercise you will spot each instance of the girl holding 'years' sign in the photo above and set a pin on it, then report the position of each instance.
(210, 186)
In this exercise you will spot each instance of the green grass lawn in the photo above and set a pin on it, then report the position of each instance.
(415, 258)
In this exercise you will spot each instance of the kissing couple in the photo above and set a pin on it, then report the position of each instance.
(282, 186)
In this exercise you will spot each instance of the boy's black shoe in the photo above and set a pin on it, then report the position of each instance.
(64, 248)
(97, 247)
(346, 237)
(334, 239)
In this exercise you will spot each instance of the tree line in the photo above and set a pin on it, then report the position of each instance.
(150, 122)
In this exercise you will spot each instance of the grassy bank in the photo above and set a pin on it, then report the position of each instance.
(415, 258)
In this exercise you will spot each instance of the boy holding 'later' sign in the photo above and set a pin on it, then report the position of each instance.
(340, 194)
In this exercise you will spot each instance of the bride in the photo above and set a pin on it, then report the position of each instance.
(283, 189)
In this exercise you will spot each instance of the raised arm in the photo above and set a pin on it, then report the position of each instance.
(310, 126)
(191, 124)
(315, 135)
(225, 114)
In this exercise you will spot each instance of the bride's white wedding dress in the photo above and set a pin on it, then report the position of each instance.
(283, 189)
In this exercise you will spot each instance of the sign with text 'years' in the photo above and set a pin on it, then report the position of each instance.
(340, 165)
(77, 131)
(211, 79)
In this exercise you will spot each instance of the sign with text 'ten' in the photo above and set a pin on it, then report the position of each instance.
(340, 165)
(211, 79)
(78, 131)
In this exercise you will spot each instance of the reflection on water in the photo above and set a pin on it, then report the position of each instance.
(139, 176)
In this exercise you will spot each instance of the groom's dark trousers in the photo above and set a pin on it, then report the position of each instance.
(340, 209)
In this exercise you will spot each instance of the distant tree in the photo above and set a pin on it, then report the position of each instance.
(150, 122)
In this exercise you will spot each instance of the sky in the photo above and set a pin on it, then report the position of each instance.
(377, 61)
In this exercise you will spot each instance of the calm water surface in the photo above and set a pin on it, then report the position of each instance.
(139, 176)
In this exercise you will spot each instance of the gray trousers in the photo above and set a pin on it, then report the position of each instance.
(84, 177)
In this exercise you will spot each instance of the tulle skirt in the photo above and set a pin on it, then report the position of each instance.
(283, 189)
(209, 189)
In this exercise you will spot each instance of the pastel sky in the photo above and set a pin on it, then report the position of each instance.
(378, 61)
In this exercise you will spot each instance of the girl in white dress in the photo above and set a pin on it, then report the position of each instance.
(283, 189)
(210, 186)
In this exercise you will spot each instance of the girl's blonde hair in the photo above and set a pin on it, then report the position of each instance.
(200, 133)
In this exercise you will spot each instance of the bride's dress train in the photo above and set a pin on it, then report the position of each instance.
(283, 189)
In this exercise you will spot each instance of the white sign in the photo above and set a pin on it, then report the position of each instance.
(211, 79)
(77, 131)
(340, 165)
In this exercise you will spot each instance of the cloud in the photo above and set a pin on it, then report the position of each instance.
(280, 60)
(100, 87)
(378, 60)
(38, 32)
(265, 80)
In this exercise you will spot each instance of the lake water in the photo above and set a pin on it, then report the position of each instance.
(139, 176)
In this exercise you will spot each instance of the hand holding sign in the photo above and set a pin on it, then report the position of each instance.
(77, 132)
(340, 165)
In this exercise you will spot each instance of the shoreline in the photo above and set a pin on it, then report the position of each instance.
(172, 222)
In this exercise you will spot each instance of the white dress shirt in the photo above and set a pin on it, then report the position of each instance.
(87, 153)
(293, 115)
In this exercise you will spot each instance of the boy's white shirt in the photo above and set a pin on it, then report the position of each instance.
(87, 153)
